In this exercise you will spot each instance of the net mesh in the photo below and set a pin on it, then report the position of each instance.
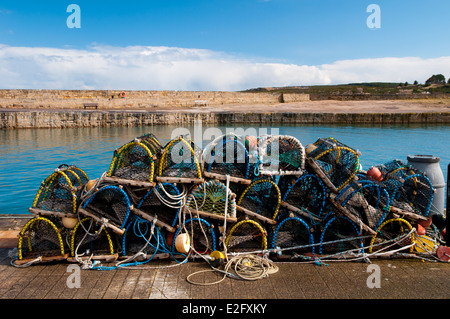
(227, 156)
(367, 201)
(307, 191)
(262, 197)
(246, 236)
(293, 232)
(211, 197)
(109, 202)
(339, 162)
(201, 233)
(138, 237)
(157, 202)
(40, 237)
(281, 154)
(88, 240)
(57, 194)
(180, 159)
(339, 235)
(133, 161)
(413, 193)
(391, 235)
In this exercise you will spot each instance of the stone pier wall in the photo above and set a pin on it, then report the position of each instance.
(110, 99)
(74, 119)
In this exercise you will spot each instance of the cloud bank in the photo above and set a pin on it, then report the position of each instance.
(172, 68)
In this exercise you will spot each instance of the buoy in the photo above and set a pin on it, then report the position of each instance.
(91, 183)
(420, 229)
(310, 148)
(183, 243)
(69, 222)
(375, 173)
(251, 142)
(217, 258)
(169, 239)
(426, 223)
(443, 253)
(424, 244)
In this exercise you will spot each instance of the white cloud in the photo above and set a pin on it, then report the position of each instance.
(171, 68)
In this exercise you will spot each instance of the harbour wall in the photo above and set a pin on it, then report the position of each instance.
(76, 119)
(112, 99)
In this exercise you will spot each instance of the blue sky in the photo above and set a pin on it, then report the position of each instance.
(286, 33)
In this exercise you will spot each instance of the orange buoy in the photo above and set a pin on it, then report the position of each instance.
(443, 253)
(420, 230)
(169, 239)
(375, 173)
(425, 223)
(251, 142)
(122, 94)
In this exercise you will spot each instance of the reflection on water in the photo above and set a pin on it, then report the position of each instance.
(28, 156)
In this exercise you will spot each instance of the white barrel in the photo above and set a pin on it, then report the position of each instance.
(429, 164)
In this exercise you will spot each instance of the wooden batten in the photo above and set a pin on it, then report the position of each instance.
(42, 212)
(114, 228)
(256, 215)
(298, 211)
(315, 167)
(151, 218)
(121, 181)
(413, 216)
(233, 179)
(168, 179)
(20, 262)
(229, 219)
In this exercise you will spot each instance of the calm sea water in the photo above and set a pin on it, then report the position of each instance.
(28, 156)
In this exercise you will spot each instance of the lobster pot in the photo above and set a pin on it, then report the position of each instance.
(413, 193)
(40, 237)
(88, 240)
(291, 232)
(138, 238)
(201, 233)
(307, 191)
(396, 169)
(226, 155)
(180, 159)
(77, 176)
(246, 236)
(110, 202)
(393, 234)
(209, 200)
(57, 193)
(152, 143)
(281, 155)
(337, 161)
(368, 201)
(133, 162)
(164, 201)
(261, 199)
(340, 235)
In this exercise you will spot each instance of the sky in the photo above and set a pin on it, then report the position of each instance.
(220, 45)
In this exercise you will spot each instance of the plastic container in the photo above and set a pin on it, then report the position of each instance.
(429, 164)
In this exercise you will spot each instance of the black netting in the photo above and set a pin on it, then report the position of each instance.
(56, 194)
(163, 201)
(180, 159)
(281, 154)
(40, 237)
(88, 240)
(308, 191)
(262, 197)
(201, 233)
(109, 202)
(246, 236)
(133, 161)
(340, 234)
(293, 232)
(227, 156)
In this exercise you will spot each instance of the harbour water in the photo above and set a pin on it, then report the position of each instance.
(28, 156)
